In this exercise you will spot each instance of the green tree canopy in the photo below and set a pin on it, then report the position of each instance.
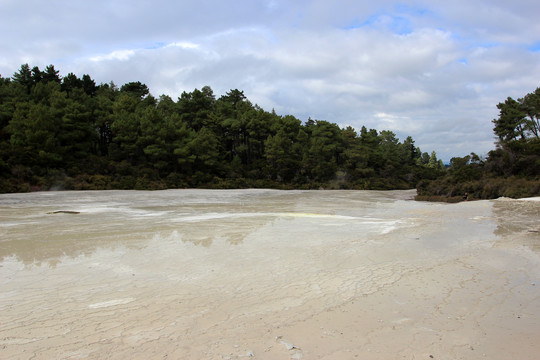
(68, 130)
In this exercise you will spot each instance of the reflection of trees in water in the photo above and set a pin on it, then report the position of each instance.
(518, 223)
(54, 236)
(48, 228)
(38, 251)
(232, 230)
(52, 244)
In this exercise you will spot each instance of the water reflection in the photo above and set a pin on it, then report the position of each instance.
(52, 236)
(38, 227)
(231, 228)
(518, 223)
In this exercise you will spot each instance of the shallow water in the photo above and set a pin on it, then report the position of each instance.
(220, 274)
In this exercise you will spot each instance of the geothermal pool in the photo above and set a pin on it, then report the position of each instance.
(267, 274)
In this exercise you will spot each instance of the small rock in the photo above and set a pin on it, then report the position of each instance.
(289, 346)
(250, 353)
(64, 212)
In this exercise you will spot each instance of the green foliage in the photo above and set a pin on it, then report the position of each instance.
(69, 133)
(511, 170)
(320, 161)
(136, 89)
(25, 78)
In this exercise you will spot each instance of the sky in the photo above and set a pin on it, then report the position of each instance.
(433, 70)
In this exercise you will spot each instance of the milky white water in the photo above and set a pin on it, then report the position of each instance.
(267, 274)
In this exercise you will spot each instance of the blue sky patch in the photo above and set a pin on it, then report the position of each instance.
(534, 47)
(399, 20)
(397, 24)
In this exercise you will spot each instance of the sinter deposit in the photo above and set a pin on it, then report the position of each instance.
(267, 274)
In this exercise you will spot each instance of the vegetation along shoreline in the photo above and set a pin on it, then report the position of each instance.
(67, 133)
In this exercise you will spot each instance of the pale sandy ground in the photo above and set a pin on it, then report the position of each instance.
(431, 281)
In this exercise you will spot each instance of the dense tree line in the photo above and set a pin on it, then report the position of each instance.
(69, 133)
(511, 170)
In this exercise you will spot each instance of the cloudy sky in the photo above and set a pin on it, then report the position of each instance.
(434, 70)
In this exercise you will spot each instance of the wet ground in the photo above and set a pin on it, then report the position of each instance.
(266, 274)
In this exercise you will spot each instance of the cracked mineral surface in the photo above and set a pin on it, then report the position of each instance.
(267, 274)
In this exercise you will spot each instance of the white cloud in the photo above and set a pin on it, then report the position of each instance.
(183, 45)
(394, 122)
(121, 55)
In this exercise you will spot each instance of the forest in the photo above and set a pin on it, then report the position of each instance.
(68, 133)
